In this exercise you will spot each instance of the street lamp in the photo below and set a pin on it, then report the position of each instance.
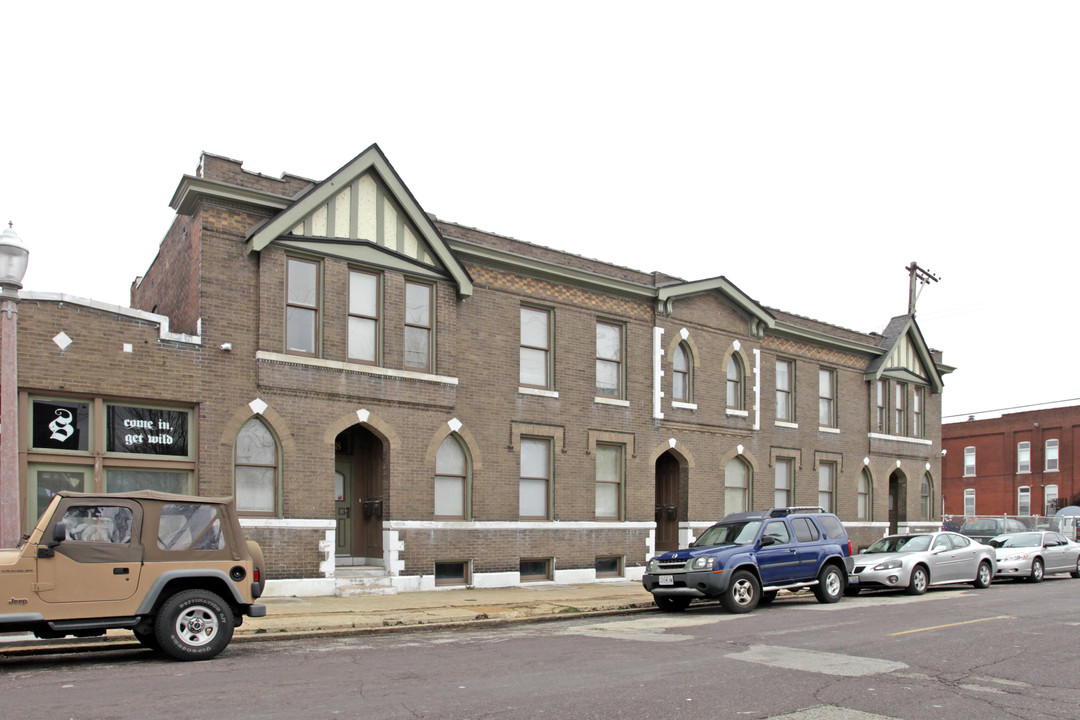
(13, 257)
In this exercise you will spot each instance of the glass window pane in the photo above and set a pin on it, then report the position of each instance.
(418, 304)
(607, 378)
(679, 361)
(607, 463)
(44, 483)
(98, 524)
(255, 445)
(535, 457)
(679, 390)
(532, 498)
(734, 500)
(362, 339)
(170, 481)
(303, 283)
(533, 367)
(735, 474)
(607, 500)
(450, 459)
(363, 294)
(450, 496)
(417, 351)
(608, 343)
(255, 489)
(783, 376)
(534, 328)
(300, 329)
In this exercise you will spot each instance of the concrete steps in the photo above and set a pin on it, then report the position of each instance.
(351, 581)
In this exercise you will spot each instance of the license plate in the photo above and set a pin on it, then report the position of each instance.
(667, 580)
(853, 580)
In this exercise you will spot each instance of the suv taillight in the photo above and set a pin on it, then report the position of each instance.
(848, 551)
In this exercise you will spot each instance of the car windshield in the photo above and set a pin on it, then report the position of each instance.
(1015, 541)
(736, 533)
(901, 543)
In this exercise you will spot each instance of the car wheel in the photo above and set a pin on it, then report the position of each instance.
(767, 598)
(743, 594)
(671, 604)
(984, 576)
(1037, 571)
(193, 625)
(920, 580)
(1076, 571)
(830, 587)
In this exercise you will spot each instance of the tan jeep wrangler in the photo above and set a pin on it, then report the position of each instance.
(174, 569)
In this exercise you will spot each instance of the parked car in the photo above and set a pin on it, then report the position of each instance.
(916, 561)
(173, 569)
(982, 529)
(747, 558)
(1032, 555)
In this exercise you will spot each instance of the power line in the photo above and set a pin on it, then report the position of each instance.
(1017, 407)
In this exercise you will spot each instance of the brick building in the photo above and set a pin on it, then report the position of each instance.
(1017, 464)
(448, 406)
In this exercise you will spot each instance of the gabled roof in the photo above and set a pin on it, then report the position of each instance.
(378, 217)
(905, 355)
(666, 294)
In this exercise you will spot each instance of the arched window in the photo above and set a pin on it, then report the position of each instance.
(734, 383)
(256, 469)
(865, 504)
(926, 499)
(736, 486)
(683, 366)
(451, 480)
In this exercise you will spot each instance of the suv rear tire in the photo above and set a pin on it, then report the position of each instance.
(830, 587)
(193, 625)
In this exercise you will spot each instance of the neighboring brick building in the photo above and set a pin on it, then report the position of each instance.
(380, 388)
(1018, 464)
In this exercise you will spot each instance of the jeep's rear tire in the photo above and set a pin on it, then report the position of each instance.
(742, 594)
(193, 625)
(671, 604)
(830, 587)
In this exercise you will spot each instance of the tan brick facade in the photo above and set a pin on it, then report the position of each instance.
(210, 281)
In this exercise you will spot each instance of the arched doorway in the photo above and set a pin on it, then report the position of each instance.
(358, 497)
(897, 501)
(667, 503)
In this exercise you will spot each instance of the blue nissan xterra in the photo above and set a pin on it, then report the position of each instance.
(747, 558)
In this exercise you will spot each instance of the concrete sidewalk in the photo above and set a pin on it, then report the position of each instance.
(290, 617)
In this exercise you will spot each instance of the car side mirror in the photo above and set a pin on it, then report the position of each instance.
(768, 540)
(937, 550)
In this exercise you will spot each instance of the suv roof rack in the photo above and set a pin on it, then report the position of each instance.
(782, 511)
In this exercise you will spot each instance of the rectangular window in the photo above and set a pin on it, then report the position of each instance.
(969, 462)
(879, 407)
(785, 391)
(451, 573)
(534, 365)
(900, 409)
(609, 567)
(1023, 457)
(969, 502)
(785, 473)
(609, 475)
(534, 489)
(1051, 456)
(609, 350)
(862, 512)
(827, 398)
(302, 307)
(826, 485)
(917, 428)
(1050, 500)
(1023, 500)
(363, 317)
(418, 327)
(534, 569)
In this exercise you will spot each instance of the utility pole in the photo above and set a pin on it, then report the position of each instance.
(919, 277)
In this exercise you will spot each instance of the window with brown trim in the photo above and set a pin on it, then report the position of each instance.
(302, 307)
(418, 326)
(363, 317)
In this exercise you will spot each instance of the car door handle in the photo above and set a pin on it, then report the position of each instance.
(121, 571)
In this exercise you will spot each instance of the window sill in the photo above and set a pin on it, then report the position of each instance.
(785, 424)
(611, 401)
(830, 430)
(537, 392)
(901, 438)
(683, 405)
(267, 356)
(738, 413)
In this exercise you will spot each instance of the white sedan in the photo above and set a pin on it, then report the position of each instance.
(913, 562)
(1032, 555)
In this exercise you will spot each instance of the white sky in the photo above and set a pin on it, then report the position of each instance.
(808, 151)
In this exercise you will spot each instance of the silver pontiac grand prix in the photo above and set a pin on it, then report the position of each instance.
(915, 561)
